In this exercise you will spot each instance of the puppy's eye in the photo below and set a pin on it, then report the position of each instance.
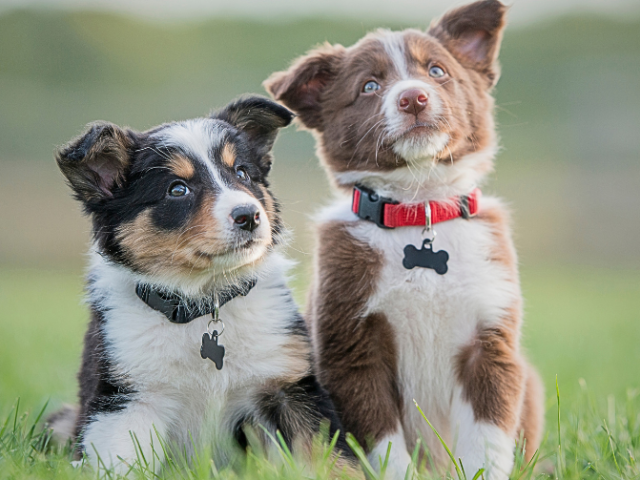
(178, 189)
(436, 72)
(371, 87)
(242, 174)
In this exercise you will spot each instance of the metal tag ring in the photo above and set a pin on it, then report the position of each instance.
(210, 331)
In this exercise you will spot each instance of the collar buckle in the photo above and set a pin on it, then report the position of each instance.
(465, 210)
(371, 206)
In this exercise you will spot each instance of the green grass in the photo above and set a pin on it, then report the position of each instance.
(580, 324)
(588, 442)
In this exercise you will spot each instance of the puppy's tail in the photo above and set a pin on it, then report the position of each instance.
(63, 424)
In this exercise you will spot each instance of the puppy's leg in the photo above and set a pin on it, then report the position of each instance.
(297, 409)
(118, 439)
(399, 458)
(361, 376)
(532, 416)
(486, 409)
(356, 353)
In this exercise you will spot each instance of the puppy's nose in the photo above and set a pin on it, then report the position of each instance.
(246, 217)
(413, 101)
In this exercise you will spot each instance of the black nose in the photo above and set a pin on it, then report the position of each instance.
(246, 217)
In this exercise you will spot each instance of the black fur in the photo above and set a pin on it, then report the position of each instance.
(306, 399)
(122, 176)
(101, 390)
(117, 173)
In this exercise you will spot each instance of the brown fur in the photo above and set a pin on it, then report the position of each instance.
(229, 155)
(500, 385)
(356, 353)
(153, 251)
(492, 376)
(182, 167)
(104, 163)
(532, 415)
(503, 251)
(322, 87)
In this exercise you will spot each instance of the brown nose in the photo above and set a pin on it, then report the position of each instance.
(413, 101)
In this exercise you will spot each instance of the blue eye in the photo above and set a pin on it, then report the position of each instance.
(436, 72)
(178, 189)
(371, 87)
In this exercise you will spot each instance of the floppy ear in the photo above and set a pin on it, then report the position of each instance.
(301, 86)
(95, 163)
(259, 117)
(473, 34)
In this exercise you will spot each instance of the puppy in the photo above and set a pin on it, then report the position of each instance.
(404, 126)
(194, 335)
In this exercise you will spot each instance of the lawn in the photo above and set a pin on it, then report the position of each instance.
(580, 325)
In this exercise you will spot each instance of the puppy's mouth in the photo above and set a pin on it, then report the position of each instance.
(418, 128)
(239, 247)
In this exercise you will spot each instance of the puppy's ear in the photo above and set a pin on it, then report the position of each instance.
(473, 33)
(259, 117)
(301, 86)
(94, 163)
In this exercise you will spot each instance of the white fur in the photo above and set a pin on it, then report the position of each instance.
(410, 147)
(480, 444)
(178, 393)
(197, 137)
(226, 201)
(399, 458)
(438, 181)
(433, 316)
(394, 46)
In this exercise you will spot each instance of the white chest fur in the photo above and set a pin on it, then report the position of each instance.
(161, 359)
(434, 315)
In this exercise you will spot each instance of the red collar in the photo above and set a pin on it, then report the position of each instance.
(387, 213)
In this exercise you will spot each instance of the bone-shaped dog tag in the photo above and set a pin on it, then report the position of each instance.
(211, 350)
(425, 257)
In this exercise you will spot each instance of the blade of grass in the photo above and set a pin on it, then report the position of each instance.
(478, 474)
(613, 450)
(383, 464)
(444, 444)
(277, 444)
(560, 462)
(360, 455)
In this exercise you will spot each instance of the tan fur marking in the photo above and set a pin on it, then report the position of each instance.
(160, 253)
(229, 155)
(356, 354)
(182, 167)
(298, 351)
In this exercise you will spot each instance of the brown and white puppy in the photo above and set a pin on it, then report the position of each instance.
(409, 116)
(184, 224)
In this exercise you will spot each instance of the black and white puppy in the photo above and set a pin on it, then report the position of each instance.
(193, 331)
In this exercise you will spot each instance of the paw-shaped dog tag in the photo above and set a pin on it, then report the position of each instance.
(211, 350)
(425, 257)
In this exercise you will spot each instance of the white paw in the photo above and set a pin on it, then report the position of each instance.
(399, 459)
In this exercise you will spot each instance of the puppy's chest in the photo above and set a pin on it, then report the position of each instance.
(154, 353)
(434, 314)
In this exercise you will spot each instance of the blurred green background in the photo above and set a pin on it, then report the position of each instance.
(568, 113)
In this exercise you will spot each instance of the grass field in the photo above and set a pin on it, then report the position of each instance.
(569, 174)
(579, 326)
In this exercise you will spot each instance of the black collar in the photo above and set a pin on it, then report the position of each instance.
(178, 310)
